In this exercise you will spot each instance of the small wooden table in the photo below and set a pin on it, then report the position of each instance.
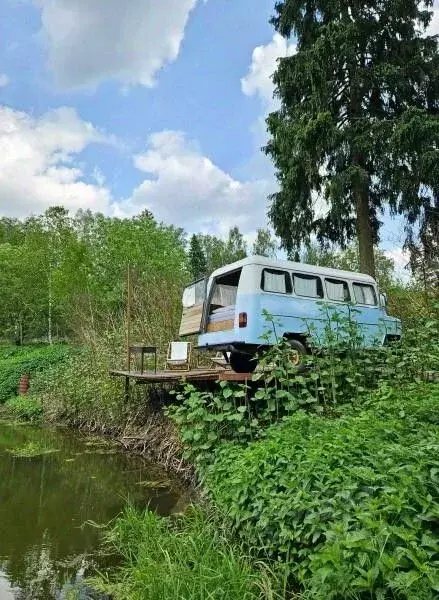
(142, 350)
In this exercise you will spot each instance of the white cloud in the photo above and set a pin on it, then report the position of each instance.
(4, 80)
(90, 41)
(37, 167)
(187, 189)
(433, 28)
(401, 259)
(258, 81)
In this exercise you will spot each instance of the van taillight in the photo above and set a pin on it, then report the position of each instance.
(242, 320)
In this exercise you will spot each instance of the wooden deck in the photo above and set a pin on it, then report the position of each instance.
(177, 376)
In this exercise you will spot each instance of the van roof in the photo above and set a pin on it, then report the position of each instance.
(293, 266)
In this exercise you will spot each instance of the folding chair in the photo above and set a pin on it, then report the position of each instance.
(179, 356)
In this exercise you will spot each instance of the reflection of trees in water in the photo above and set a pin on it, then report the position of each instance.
(45, 579)
(57, 494)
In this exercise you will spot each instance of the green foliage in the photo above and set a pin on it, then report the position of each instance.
(25, 408)
(342, 374)
(197, 260)
(180, 557)
(358, 120)
(18, 361)
(218, 252)
(62, 275)
(352, 504)
(346, 494)
(80, 391)
(265, 244)
(349, 260)
(205, 419)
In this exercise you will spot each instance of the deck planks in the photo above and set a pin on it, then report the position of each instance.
(175, 376)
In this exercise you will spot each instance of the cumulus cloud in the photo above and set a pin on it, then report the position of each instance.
(37, 166)
(258, 81)
(433, 28)
(186, 188)
(4, 80)
(90, 41)
(401, 260)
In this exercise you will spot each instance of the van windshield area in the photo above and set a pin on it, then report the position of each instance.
(221, 312)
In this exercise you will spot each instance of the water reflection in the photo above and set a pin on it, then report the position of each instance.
(46, 546)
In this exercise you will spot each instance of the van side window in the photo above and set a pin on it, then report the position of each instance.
(308, 285)
(365, 294)
(337, 290)
(278, 282)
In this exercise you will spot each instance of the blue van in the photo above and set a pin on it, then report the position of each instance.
(227, 309)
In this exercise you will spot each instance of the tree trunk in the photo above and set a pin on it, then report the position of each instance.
(365, 233)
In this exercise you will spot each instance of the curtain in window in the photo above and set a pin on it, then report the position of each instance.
(224, 295)
(275, 282)
(337, 290)
(306, 286)
(364, 294)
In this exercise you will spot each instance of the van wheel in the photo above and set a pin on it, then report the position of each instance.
(242, 363)
(297, 354)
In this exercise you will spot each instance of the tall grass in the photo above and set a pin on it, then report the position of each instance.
(183, 557)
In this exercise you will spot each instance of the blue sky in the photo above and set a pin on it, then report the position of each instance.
(178, 74)
(120, 106)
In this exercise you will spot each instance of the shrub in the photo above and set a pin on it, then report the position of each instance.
(352, 503)
(342, 375)
(80, 391)
(27, 360)
(25, 408)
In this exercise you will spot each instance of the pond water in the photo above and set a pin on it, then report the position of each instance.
(53, 485)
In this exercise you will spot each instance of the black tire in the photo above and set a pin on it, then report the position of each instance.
(300, 349)
(242, 363)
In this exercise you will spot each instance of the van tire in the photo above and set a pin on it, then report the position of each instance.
(300, 349)
(242, 363)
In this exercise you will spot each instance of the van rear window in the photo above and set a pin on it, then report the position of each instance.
(308, 285)
(275, 281)
(365, 294)
(337, 290)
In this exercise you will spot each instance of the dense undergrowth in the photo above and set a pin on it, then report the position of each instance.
(323, 484)
(16, 361)
(332, 475)
(352, 504)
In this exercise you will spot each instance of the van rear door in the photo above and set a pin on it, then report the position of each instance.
(194, 297)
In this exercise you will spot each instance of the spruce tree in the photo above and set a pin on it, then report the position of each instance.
(362, 83)
(197, 258)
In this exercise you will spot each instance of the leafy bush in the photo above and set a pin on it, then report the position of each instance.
(342, 375)
(25, 408)
(27, 360)
(352, 503)
(80, 391)
(181, 557)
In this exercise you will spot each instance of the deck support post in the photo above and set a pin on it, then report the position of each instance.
(127, 389)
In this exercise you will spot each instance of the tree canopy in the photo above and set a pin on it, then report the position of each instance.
(357, 131)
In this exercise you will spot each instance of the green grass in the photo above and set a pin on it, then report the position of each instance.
(185, 557)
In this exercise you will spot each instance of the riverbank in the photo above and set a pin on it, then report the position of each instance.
(319, 486)
(71, 386)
